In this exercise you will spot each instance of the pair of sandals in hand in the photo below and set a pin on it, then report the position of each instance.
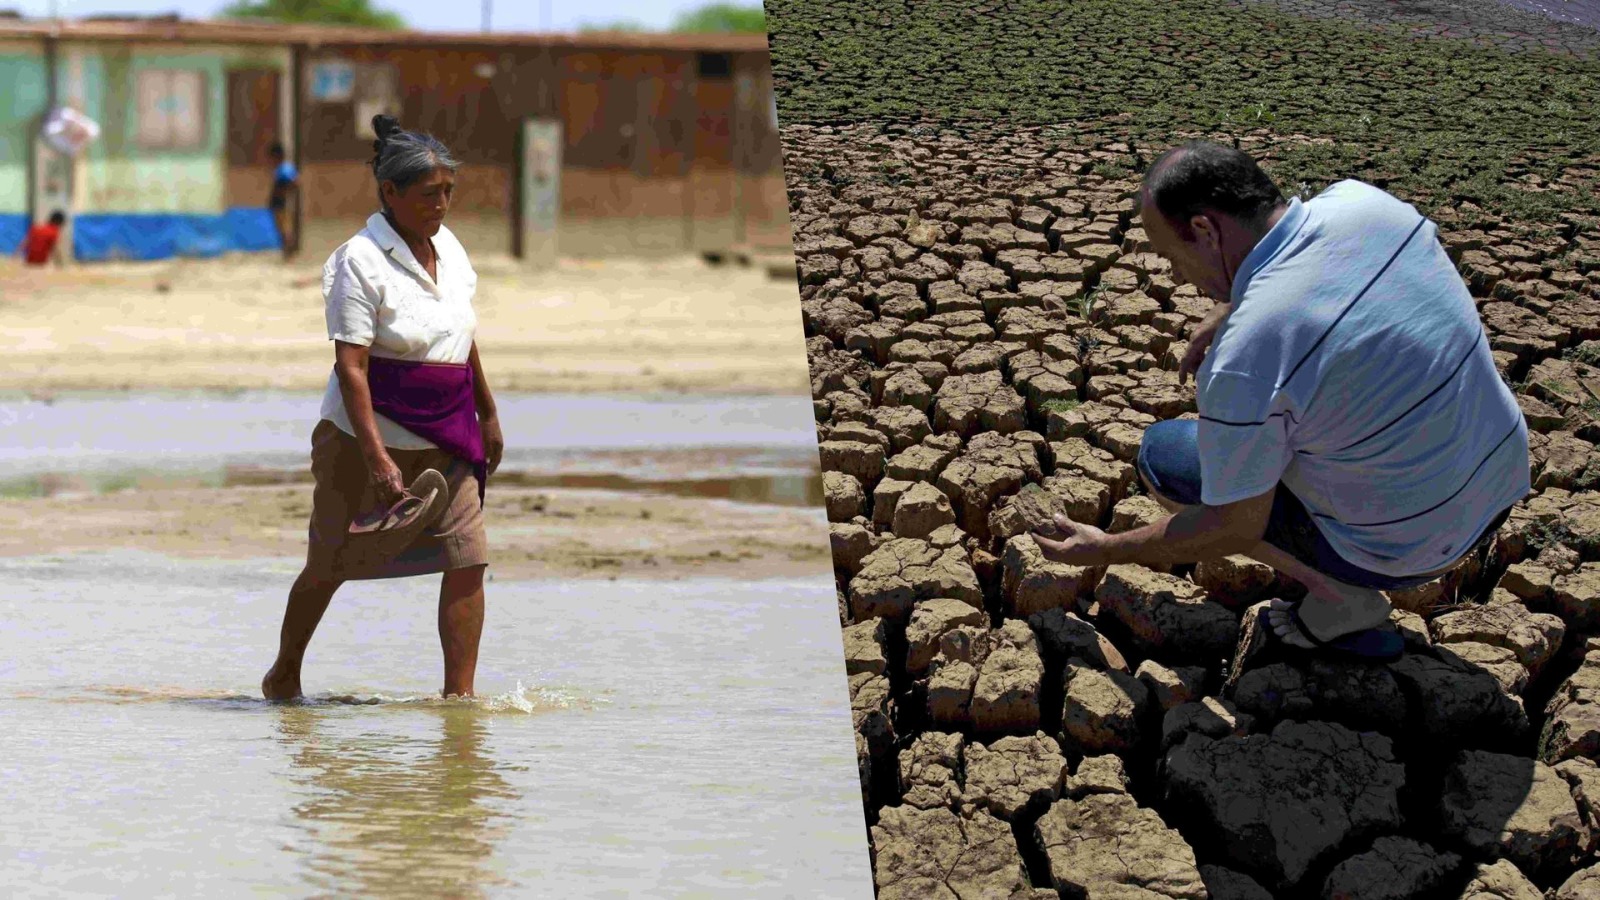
(386, 531)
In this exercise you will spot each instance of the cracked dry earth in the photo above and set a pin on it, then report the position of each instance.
(989, 334)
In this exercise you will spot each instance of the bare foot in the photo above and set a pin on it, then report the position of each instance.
(1356, 609)
(281, 685)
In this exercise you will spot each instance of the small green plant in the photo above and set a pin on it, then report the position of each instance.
(1587, 353)
(1060, 406)
(1542, 534)
(1089, 307)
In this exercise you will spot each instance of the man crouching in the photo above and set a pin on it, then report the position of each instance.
(1353, 432)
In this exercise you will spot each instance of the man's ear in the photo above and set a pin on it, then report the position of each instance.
(1205, 230)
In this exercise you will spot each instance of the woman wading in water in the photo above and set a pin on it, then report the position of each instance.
(407, 402)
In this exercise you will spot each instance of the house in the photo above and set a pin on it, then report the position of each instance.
(592, 144)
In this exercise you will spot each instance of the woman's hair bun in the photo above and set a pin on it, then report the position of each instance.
(383, 126)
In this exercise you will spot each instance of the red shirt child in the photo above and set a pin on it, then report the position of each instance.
(40, 244)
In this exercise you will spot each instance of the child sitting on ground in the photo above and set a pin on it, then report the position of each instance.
(39, 247)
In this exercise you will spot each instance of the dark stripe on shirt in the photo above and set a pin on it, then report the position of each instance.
(1452, 496)
(1355, 300)
(1250, 424)
(1413, 408)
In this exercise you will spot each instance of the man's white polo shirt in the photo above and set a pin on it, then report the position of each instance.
(1353, 368)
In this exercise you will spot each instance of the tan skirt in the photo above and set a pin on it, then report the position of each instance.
(456, 541)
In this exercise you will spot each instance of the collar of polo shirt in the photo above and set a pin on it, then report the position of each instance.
(1272, 242)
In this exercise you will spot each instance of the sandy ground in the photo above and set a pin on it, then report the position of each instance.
(532, 533)
(257, 322)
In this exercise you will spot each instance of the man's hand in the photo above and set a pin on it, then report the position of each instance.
(1072, 543)
(1200, 340)
(494, 445)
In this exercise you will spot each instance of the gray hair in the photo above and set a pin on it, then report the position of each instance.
(405, 156)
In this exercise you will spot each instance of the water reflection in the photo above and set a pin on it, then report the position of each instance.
(396, 812)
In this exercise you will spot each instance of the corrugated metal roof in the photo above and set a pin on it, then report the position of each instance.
(230, 32)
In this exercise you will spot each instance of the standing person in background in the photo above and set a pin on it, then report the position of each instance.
(42, 245)
(285, 184)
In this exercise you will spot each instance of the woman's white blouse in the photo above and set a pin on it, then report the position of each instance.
(377, 295)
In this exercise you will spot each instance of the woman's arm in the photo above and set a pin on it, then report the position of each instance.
(350, 362)
(494, 444)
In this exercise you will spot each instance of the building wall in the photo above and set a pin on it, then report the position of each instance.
(120, 175)
(22, 108)
(132, 200)
(660, 153)
(656, 157)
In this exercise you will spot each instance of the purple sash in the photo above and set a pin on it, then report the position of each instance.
(435, 402)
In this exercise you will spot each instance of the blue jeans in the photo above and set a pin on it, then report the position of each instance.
(1169, 460)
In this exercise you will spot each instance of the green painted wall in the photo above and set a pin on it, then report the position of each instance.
(21, 110)
(121, 176)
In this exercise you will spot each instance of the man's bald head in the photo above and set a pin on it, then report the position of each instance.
(1199, 176)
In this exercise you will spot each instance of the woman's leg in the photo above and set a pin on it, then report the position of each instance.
(460, 626)
(308, 600)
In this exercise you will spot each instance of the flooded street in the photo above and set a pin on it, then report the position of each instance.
(103, 433)
(635, 738)
(663, 712)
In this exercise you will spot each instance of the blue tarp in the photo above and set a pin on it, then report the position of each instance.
(13, 228)
(103, 236)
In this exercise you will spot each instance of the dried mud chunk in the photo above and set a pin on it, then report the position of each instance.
(1005, 698)
(1572, 723)
(967, 404)
(1583, 885)
(1513, 808)
(851, 542)
(1235, 581)
(1106, 841)
(936, 854)
(919, 463)
(1458, 702)
(978, 276)
(1226, 884)
(833, 317)
(1077, 456)
(1282, 803)
(1500, 880)
(921, 510)
(1360, 696)
(1063, 635)
(1396, 868)
(1032, 584)
(1171, 687)
(842, 496)
(1212, 717)
(930, 621)
(871, 711)
(902, 571)
(1166, 617)
(1102, 710)
(1015, 774)
(928, 770)
(864, 648)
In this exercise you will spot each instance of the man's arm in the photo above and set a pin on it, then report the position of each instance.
(1192, 534)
